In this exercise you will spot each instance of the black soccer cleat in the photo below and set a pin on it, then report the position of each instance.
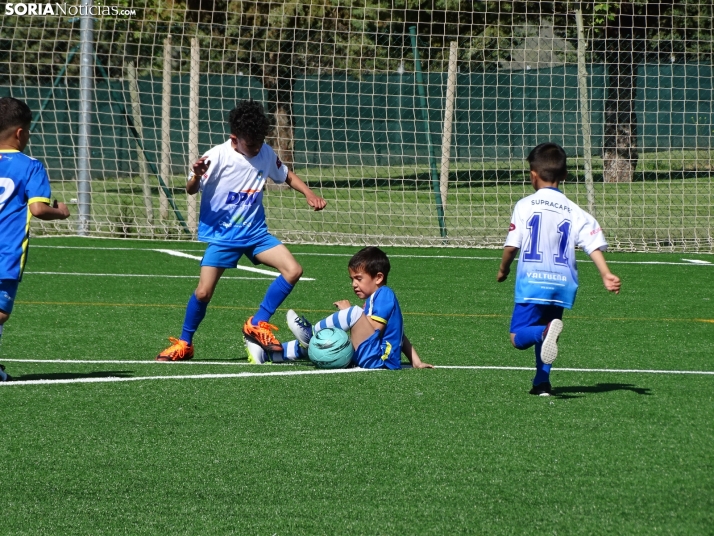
(542, 389)
(4, 376)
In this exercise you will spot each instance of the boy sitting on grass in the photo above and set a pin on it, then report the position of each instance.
(376, 331)
(547, 226)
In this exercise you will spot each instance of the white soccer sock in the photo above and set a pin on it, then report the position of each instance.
(344, 319)
(292, 350)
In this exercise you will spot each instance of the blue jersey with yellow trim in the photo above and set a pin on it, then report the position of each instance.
(232, 195)
(383, 307)
(23, 181)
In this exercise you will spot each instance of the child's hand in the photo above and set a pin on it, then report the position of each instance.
(502, 274)
(611, 282)
(316, 202)
(201, 166)
(342, 304)
(64, 211)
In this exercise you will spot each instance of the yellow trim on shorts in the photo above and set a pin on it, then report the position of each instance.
(387, 351)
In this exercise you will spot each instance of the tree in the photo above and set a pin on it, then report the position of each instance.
(278, 42)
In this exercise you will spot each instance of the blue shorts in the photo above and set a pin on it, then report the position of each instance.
(369, 354)
(534, 314)
(8, 291)
(219, 256)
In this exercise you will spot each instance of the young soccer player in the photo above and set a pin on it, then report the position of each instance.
(231, 177)
(376, 331)
(546, 227)
(24, 192)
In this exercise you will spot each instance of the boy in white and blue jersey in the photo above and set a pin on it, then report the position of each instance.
(231, 177)
(376, 330)
(546, 227)
(24, 192)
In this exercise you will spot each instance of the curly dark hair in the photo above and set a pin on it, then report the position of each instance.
(14, 114)
(248, 121)
(371, 260)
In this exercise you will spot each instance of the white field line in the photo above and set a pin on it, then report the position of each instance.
(147, 275)
(245, 268)
(243, 364)
(180, 253)
(113, 379)
(565, 369)
(130, 362)
(173, 252)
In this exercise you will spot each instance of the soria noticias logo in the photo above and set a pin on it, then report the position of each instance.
(23, 9)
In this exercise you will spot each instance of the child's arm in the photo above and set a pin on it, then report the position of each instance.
(509, 254)
(194, 179)
(42, 211)
(610, 280)
(409, 351)
(345, 304)
(316, 202)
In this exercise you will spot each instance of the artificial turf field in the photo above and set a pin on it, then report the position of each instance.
(217, 446)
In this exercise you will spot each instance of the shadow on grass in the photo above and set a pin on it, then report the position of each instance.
(74, 375)
(569, 392)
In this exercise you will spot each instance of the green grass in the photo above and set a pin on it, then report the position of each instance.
(671, 215)
(411, 452)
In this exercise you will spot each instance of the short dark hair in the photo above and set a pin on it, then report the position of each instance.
(14, 114)
(549, 161)
(248, 121)
(372, 260)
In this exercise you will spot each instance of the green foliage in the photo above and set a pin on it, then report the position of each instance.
(277, 40)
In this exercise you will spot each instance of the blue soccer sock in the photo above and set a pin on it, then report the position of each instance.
(527, 337)
(292, 350)
(195, 311)
(344, 319)
(542, 370)
(276, 294)
(3, 375)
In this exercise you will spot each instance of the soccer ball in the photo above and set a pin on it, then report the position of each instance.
(330, 348)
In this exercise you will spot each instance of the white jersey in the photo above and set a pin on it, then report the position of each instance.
(547, 226)
(232, 194)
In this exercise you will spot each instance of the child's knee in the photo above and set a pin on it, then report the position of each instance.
(203, 294)
(293, 273)
(513, 340)
(3, 317)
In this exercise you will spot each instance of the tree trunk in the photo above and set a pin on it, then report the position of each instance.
(620, 152)
(278, 81)
(283, 135)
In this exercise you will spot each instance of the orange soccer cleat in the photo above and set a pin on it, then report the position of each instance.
(262, 335)
(178, 351)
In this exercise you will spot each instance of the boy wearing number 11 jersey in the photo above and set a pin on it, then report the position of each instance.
(546, 227)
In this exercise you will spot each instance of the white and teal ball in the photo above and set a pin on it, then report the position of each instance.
(330, 348)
